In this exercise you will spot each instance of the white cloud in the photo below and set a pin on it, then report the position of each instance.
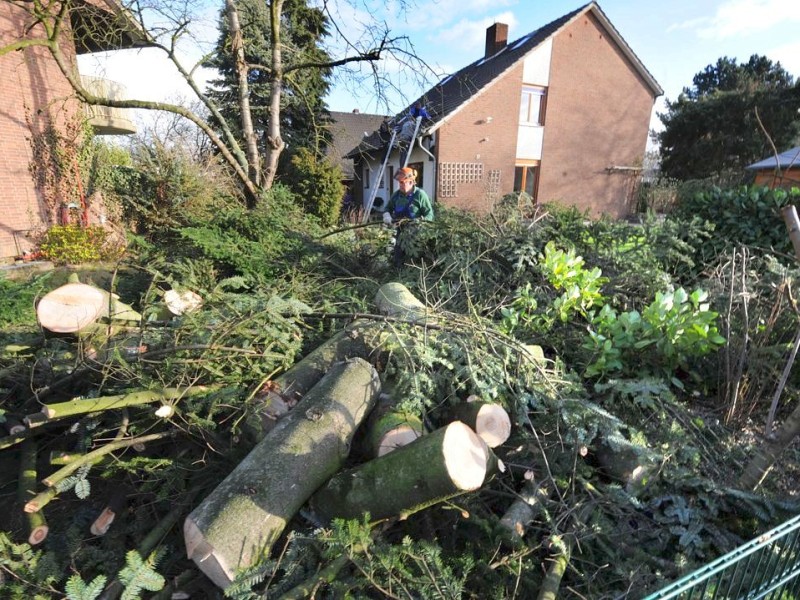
(745, 17)
(146, 74)
(789, 57)
(470, 36)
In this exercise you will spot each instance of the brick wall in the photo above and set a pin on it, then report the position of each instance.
(34, 93)
(598, 115)
(468, 139)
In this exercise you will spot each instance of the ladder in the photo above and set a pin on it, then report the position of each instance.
(373, 192)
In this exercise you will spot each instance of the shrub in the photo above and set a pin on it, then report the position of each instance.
(749, 215)
(318, 185)
(73, 244)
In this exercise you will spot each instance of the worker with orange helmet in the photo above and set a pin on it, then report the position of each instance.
(408, 204)
(409, 201)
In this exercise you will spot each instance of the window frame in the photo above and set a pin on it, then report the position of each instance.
(530, 92)
(526, 168)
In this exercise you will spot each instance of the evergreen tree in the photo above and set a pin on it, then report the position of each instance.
(714, 127)
(303, 109)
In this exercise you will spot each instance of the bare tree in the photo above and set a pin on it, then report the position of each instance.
(49, 26)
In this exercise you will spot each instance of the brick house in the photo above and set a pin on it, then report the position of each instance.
(37, 100)
(782, 171)
(562, 113)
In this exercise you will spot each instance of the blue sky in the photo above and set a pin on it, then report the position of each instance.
(674, 39)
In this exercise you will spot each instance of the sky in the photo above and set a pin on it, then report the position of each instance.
(674, 39)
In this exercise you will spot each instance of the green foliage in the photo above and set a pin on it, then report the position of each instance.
(139, 575)
(77, 589)
(317, 184)
(714, 127)
(165, 187)
(74, 244)
(750, 216)
(17, 300)
(260, 244)
(30, 573)
(673, 331)
(416, 566)
(579, 287)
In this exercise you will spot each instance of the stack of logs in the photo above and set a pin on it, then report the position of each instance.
(336, 393)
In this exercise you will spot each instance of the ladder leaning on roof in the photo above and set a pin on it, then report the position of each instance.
(374, 190)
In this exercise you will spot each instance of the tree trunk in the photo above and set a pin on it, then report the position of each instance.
(357, 340)
(27, 490)
(239, 521)
(395, 300)
(274, 141)
(490, 421)
(447, 462)
(242, 71)
(769, 451)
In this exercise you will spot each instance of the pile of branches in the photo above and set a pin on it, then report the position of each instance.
(122, 434)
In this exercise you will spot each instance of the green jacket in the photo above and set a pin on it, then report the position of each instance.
(415, 205)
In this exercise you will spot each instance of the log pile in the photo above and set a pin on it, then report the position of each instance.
(322, 401)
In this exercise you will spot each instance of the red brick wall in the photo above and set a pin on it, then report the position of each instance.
(598, 115)
(33, 93)
(467, 138)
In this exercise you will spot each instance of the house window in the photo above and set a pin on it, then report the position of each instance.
(526, 179)
(366, 177)
(532, 105)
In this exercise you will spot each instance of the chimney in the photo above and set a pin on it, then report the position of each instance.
(496, 38)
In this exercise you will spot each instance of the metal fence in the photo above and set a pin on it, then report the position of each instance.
(766, 567)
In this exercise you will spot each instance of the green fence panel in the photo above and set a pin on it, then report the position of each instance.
(766, 567)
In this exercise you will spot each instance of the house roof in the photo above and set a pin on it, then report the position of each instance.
(455, 90)
(348, 129)
(789, 158)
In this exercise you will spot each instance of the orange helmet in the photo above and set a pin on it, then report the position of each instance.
(405, 173)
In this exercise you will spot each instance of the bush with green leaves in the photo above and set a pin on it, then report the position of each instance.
(745, 215)
(579, 293)
(318, 186)
(165, 187)
(74, 244)
(260, 243)
(675, 330)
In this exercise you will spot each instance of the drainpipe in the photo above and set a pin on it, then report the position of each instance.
(424, 149)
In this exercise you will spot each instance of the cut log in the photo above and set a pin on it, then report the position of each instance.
(445, 463)
(74, 306)
(624, 461)
(357, 340)
(180, 303)
(489, 420)
(82, 406)
(239, 521)
(395, 300)
(388, 428)
(116, 504)
(71, 307)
